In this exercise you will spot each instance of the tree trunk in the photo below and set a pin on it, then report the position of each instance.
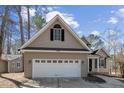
(2, 30)
(20, 25)
(9, 42)
(28, 12)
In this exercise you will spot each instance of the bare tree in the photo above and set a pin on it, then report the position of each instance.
(28, 14)
(3, 25)
(18, 9)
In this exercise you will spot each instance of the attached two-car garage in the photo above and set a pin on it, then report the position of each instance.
(56, 68)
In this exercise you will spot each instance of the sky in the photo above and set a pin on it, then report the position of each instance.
(95, 19)
(86, 19)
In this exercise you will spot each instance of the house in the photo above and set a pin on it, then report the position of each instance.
(11, 63)
(56, 51)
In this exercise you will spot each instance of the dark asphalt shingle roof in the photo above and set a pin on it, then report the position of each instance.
(58, 49)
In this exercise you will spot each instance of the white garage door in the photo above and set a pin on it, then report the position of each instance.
(56, 68)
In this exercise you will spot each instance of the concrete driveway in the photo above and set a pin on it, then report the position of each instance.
(110, 82)
(18, 80)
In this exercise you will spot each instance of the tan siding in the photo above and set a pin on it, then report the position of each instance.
(101, 69)
(44, 40)
(13, 65)
(105, 70)
(3, 66)
(101, 53)
(29, 56)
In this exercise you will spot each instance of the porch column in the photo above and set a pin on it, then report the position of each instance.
(97, 64)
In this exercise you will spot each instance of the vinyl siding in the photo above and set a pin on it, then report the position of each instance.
(29, 56)
(44, 40)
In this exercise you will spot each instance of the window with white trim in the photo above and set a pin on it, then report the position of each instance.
(48, 61)
(59, 61)
(42, 61)
(18, 65)
(57, 34)
(102, 63)
(66, 61)
(37, 61)
(76, 61)
(95, 62)
(70, 61)
(54, 61)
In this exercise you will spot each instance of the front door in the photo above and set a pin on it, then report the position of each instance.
(90, 65)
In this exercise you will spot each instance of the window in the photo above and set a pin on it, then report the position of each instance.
(70, 61)
(42, 61)
(54, 61)
(56, 34)
(66, 61)
(48, 61)
(60, 61)
(103, 63)
(95, 63)
(76, 61)
(37, 61)
(18, 65)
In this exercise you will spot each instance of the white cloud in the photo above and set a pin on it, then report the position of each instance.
(69, 18)
(50, 8)
(113, 20)
(120, 12)
(95, 32)
(113, 32)
(24, 12)
(112, 11)
(80, 33)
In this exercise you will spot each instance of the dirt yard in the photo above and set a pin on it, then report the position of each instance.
(17, 80)
(11, 80)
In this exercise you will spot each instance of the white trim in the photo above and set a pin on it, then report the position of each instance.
(88, 65)
(73, 33)
(47, 25)
(18, 66)
(97, 65)
(54, 51)
(79, 60)
(103, 50)
(92, 63)
(33, 62)
(54, 32)
(106, 51)
(93, 57)
(8, 66)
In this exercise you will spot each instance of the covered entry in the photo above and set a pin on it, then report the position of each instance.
(93, 64)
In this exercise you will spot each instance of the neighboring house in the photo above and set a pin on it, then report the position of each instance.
(56, 51)
(11, 63)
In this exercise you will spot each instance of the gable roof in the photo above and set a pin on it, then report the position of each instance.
(57, 17)
(85, 40)
(103, 49)
(9, 57)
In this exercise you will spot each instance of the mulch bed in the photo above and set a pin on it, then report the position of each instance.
(94, 79)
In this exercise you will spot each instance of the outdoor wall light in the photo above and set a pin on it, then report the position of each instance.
(29, 61)
(82, 62)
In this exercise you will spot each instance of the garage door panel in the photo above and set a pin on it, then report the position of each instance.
(56, 69)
